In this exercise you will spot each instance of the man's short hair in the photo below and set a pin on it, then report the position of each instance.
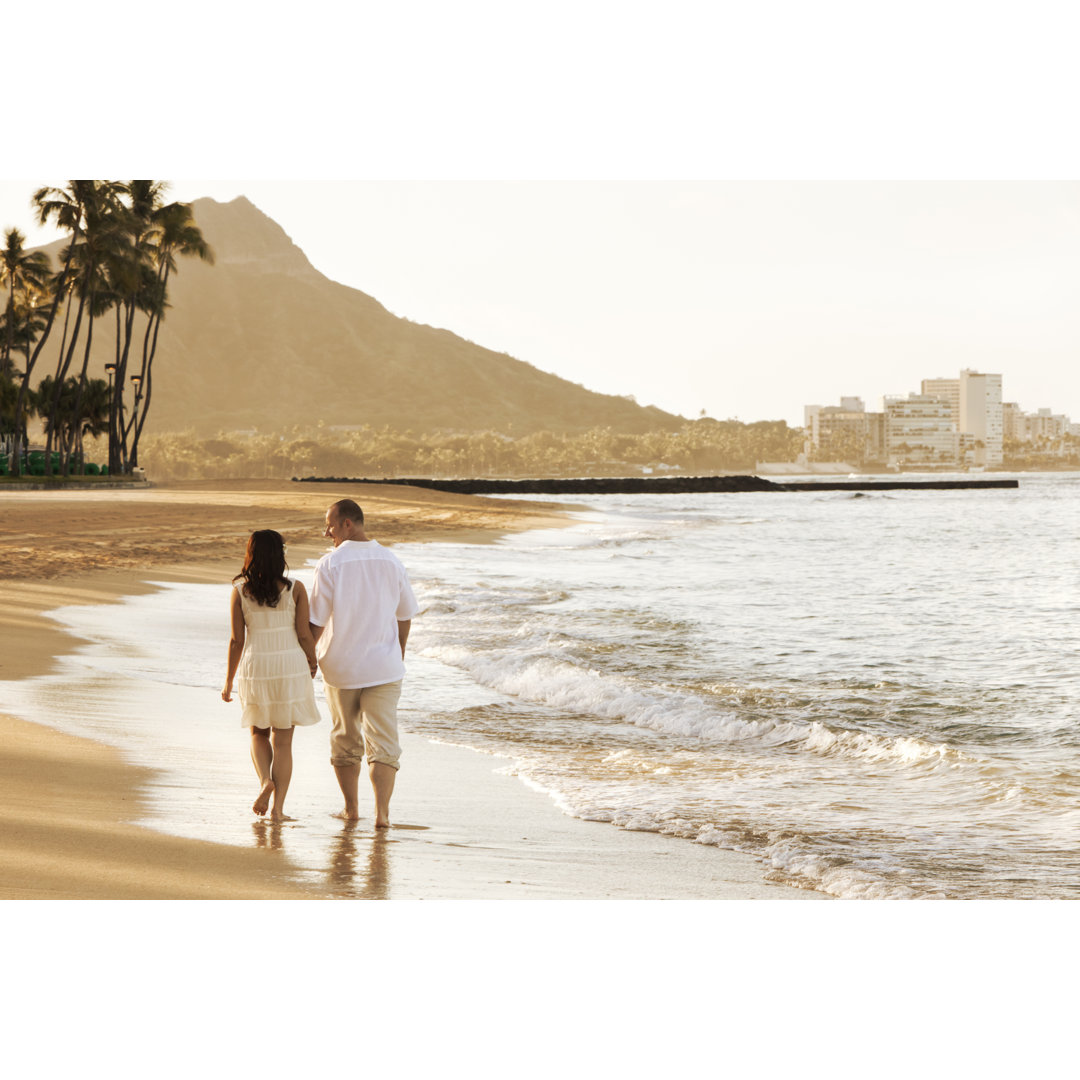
(346, 508)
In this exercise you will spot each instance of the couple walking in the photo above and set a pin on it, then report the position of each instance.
(354, 627)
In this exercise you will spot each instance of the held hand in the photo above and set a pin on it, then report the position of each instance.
(314, 669)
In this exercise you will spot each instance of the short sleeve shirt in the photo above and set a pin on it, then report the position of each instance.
(361, 592)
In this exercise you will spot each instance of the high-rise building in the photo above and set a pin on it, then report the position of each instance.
(1044, 424)
(981, 414)
(974, 402)
(846, 432)
(948, 390)
(1012, 421)
(919, 429)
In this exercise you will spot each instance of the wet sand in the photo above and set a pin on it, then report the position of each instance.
(467, 831)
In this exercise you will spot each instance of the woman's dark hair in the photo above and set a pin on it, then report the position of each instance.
(264, 567)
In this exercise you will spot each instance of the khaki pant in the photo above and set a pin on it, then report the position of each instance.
(365, 724)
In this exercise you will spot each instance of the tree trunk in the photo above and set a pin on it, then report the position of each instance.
(9, 337)
(121, 379)
(147, 371)
(63, 366)
(113, 412)
(76, 419)
(19, 414)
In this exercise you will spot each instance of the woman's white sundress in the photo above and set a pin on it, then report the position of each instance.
(273, 679)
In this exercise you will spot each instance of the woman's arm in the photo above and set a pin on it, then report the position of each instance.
(236, 642)
(303, 629)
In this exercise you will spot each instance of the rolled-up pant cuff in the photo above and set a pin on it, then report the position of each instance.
(364, 725)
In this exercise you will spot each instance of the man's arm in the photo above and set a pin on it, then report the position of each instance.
(321, 601)
(403, 629)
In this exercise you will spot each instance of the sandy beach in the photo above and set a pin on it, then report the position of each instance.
(465, 829)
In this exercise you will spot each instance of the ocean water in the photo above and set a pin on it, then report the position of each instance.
(876, 695)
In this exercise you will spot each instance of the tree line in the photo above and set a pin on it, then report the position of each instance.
(1047, 452)
(703, 446)
(122, 245)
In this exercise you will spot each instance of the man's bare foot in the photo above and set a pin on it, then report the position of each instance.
(278, 818)
(382, 823)
(262, 802)
(347, 815)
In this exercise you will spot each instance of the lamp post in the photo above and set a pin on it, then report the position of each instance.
(110, 370)
(137, 383)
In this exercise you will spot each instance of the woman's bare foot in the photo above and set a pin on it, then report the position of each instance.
(277, 818)
(347, 815)
(262, 801)
(382, 823)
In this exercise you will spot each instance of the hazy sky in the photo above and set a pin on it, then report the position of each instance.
(745, 299)
(580, 180)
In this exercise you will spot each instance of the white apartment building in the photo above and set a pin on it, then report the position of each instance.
(951, 422)
(812, 413)
(980, 415)
(847, 431)
(920, 429)
(974, 402)
(948, 390)
(1041, 425)
(1012, 421)
(1046, 425)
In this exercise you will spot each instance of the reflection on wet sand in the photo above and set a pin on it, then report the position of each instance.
(360, 863)
(267, 835)
(357, 862)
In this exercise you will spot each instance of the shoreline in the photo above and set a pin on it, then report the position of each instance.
(467, 829)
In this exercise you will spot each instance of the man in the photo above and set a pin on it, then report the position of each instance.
(362, 608)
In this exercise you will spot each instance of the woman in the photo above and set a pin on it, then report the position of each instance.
(273, 674)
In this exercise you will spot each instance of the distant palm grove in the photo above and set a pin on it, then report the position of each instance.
(112, 278)
(703, 445)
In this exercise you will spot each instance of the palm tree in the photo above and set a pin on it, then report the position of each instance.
(27, 272)
(65, 207)
(98, 233)
(92, 416)
(21, 324)
(80, 413)
(43, 405)
(20, 271)
(137, 286)
(8, 396)
(122, 247)
(174, 233)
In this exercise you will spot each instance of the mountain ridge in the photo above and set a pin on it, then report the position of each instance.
(263, 340)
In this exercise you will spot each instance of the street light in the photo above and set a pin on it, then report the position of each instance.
(110, 370)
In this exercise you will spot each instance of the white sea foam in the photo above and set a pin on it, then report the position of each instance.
(567, 686)
(797, 680)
